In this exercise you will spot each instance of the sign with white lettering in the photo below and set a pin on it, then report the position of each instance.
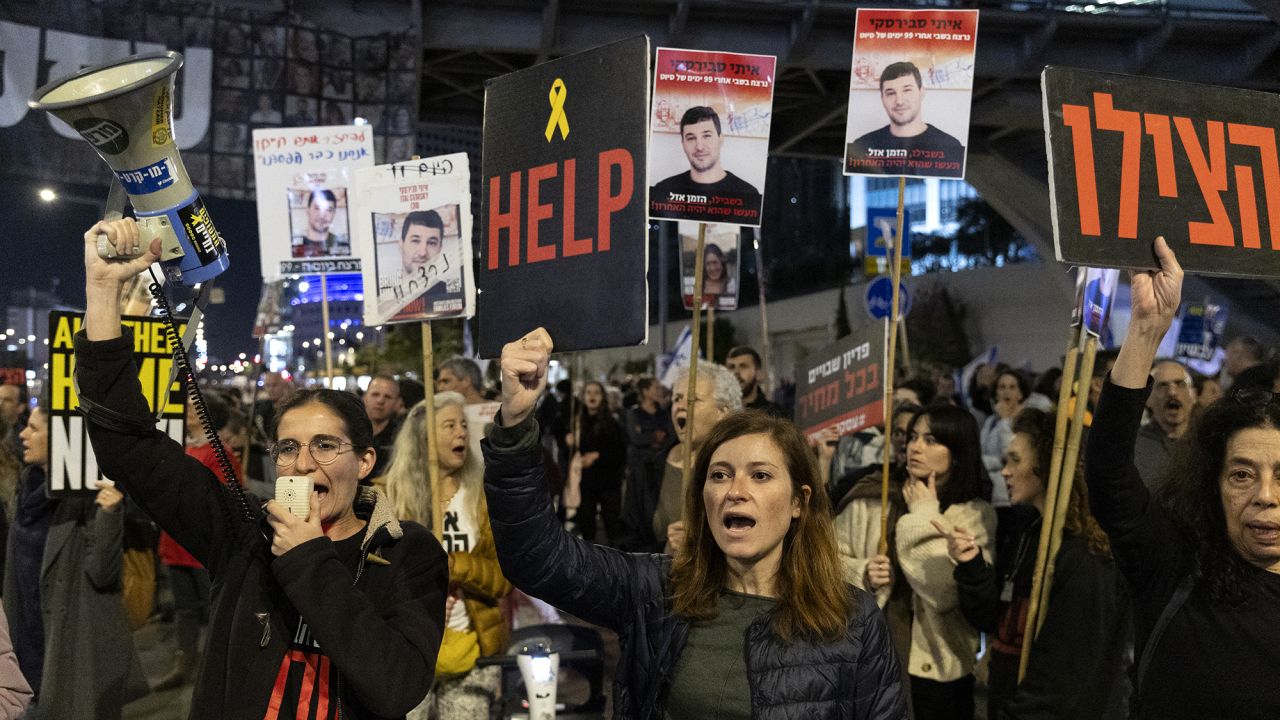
(72, 465)
(842, 386)
(913, 68)
(709, 135)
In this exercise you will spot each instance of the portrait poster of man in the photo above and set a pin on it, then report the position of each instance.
(413, 235)
(910, 92)
(305, 184)
(721, 260)
(709, 135)
(318, 221)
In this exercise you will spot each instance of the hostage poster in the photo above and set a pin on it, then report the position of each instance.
(910, 92)
(709, 136)
(413, 235)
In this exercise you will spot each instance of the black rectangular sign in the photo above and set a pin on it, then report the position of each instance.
(1131, 158)
(564, 233)
(842, 385)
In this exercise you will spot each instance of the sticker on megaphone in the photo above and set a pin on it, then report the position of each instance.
(123, 109)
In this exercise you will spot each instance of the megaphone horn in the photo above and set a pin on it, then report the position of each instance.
(124, 109)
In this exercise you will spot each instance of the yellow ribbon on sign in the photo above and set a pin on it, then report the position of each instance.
(558, 119)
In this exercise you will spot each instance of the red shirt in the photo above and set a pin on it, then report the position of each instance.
(169, 550)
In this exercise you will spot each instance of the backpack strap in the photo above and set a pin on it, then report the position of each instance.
(1179, 598)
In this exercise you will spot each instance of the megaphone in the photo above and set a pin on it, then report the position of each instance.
(124, 109)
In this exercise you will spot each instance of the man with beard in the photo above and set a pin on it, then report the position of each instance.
(701, 139)
(1173, 395)
(744, 363)
(907, 135)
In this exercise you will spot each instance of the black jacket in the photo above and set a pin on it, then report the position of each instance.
(857, 677)
(1215, 659)
(382, 631)
(1076, 668)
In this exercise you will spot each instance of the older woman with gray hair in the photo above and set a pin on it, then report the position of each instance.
(718, 395)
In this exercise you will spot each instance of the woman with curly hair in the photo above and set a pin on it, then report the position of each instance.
(474, 625)
(1203, 558)
(1076, 664)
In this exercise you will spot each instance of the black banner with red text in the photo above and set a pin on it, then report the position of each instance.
(564, 232)
(1131, 158)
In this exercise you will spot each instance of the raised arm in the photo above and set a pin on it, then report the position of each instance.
(598, 584)
(1117, 496)
(175, 490)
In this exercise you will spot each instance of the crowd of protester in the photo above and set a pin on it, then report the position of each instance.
(757, 585)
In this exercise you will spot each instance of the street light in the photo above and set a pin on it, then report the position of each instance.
(48, 195)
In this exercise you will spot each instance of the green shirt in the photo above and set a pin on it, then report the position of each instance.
(710, 678)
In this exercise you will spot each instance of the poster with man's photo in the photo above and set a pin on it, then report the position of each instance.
(721, 259)
(910, 92)
(709, 136)
(412, 225)
(305, 180)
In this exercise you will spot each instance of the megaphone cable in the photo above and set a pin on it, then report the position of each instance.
(232, 484)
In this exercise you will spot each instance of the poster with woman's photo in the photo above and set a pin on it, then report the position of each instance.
(721, 259)
(709, 135)
(910, 92)
(413, 235)
(304, 178)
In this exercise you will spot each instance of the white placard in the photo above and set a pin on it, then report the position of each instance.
(412, 225)
(305, 178)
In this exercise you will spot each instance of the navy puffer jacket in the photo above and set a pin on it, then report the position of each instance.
(856, 677)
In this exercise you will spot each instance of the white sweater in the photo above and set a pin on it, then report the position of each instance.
(858, 535)
(943, 645)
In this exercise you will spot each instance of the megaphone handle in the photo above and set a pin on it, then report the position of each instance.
(117, 198)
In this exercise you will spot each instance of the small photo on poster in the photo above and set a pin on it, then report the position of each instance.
(721, 259)
(318, 224)
(417, 263)
(709, 136)
(910, 91)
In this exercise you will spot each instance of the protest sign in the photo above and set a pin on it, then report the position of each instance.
(1132, 158)
(842, 386)
(1095, 289)
(413, 236)
(72, 466)
(304, 178)
(916, 67)
(566, 238)
(709, 135)
(1201, 330)
(722, 257)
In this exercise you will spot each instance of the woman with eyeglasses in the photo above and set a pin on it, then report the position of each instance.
(338, 614)
(1202, 557)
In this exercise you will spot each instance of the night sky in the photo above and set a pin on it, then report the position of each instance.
(43, 242)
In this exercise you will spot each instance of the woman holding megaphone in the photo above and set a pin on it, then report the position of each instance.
(335, 614)
(750, 619)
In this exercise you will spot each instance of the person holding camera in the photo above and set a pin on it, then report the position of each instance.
(335, 612)
(751, 617)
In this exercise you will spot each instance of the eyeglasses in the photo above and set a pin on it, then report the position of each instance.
(1171, 385)
(324, 450)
